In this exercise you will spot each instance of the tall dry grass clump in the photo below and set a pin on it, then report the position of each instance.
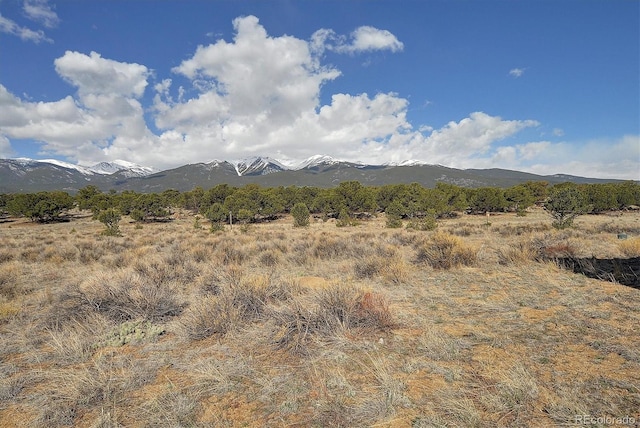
(125, 295)
(232, 303)
(518, 253)
(329, 311)
(9, 274)
(630, 247)
(445, 251)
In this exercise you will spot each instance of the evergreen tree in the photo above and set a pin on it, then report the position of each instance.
(565, 203)
(111, 219)
(300, 214)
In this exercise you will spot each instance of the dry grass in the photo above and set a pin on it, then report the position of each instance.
(445, 251)
(630, 247)
(472, 325)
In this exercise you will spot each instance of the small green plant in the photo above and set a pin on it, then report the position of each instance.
(300, 214)
(196, 223)
(216, 227)
(425, 223)
(393, 223)
(133, 333)
(344, 219)
(111, 219)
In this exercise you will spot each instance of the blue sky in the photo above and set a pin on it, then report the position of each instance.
(544, 86)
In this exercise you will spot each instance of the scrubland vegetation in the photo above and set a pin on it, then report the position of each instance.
(444, 321)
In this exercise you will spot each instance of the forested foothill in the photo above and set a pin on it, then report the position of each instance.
(252, 203)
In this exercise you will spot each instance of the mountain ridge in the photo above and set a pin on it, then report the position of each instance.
(24, 175)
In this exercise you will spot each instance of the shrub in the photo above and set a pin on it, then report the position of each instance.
(565, 203)
(425, 224)
(394, 215)
(300, 214)
(111, 219)
(133, 332)
(447, 251)
(216, 227)
(393, 222)
(344, 219)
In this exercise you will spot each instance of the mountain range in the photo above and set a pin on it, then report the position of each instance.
(28, 175)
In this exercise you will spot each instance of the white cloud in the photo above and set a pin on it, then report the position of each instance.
(105, 112)
(610, 158)
(10, 27)
(517, 72)
(370, 39)
(93, 74)
(40, 11)
(534, 150)
(6, 150)
(607, 158)
(457, 141)
(239, 102)
(363, 39)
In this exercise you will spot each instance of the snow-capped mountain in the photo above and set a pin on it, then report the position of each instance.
(32, 163)
(317, 160)
(28, 175)
(128, 169)
(410, 162)
(258, 165)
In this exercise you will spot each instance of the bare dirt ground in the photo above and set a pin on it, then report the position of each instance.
(169, 325)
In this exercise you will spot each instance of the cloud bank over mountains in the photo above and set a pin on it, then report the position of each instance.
(261, 95)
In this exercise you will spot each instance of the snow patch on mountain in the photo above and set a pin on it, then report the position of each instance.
(26, 162)
(129, 169)
(258, 165)
(410, 162)
(317, 160)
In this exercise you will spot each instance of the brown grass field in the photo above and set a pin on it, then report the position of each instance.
(170, 325)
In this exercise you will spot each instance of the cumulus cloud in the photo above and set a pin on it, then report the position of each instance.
(474, 135)
(370, 39)
(92, 74)
(605, 158)
(260, 95)
(40, 11)
(363, 39)
(8, 26)
(105, 112)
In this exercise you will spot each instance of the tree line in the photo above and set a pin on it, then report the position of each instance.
(253, 203)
